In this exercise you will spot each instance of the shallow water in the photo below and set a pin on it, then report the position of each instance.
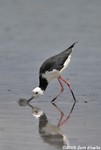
(30, 32)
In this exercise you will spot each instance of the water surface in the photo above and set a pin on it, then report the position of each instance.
(30, 32)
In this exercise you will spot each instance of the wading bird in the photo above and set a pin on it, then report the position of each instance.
(51, 69)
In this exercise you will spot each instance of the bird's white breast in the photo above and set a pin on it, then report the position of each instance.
(49, 75)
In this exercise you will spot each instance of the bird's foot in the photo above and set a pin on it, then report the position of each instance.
(52, 101)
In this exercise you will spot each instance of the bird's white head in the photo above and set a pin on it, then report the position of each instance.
(37, 92)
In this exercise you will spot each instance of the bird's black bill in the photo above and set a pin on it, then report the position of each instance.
(24, 102)
(30, 99)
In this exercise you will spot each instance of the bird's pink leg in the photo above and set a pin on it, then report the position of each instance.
(62, 114)
(62, 89)
(65, 120)
(60, 78)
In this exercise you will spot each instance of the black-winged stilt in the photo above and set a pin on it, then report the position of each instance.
(51, 69)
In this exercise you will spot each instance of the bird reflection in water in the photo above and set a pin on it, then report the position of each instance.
(51, 134)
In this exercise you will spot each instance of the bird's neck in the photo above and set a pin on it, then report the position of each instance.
(43, 83)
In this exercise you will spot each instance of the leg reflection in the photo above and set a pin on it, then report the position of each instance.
(61, 121)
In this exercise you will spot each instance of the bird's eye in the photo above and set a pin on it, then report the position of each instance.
(36, 92)
(36, 111)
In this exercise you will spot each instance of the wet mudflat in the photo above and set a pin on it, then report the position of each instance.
(30, 32)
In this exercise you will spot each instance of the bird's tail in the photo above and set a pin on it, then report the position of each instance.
(69, 49)
(72, 45)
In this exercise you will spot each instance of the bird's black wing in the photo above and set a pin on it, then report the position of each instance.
(50, 64)
(57, 61)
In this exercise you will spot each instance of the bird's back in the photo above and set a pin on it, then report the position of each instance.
(57, 61)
